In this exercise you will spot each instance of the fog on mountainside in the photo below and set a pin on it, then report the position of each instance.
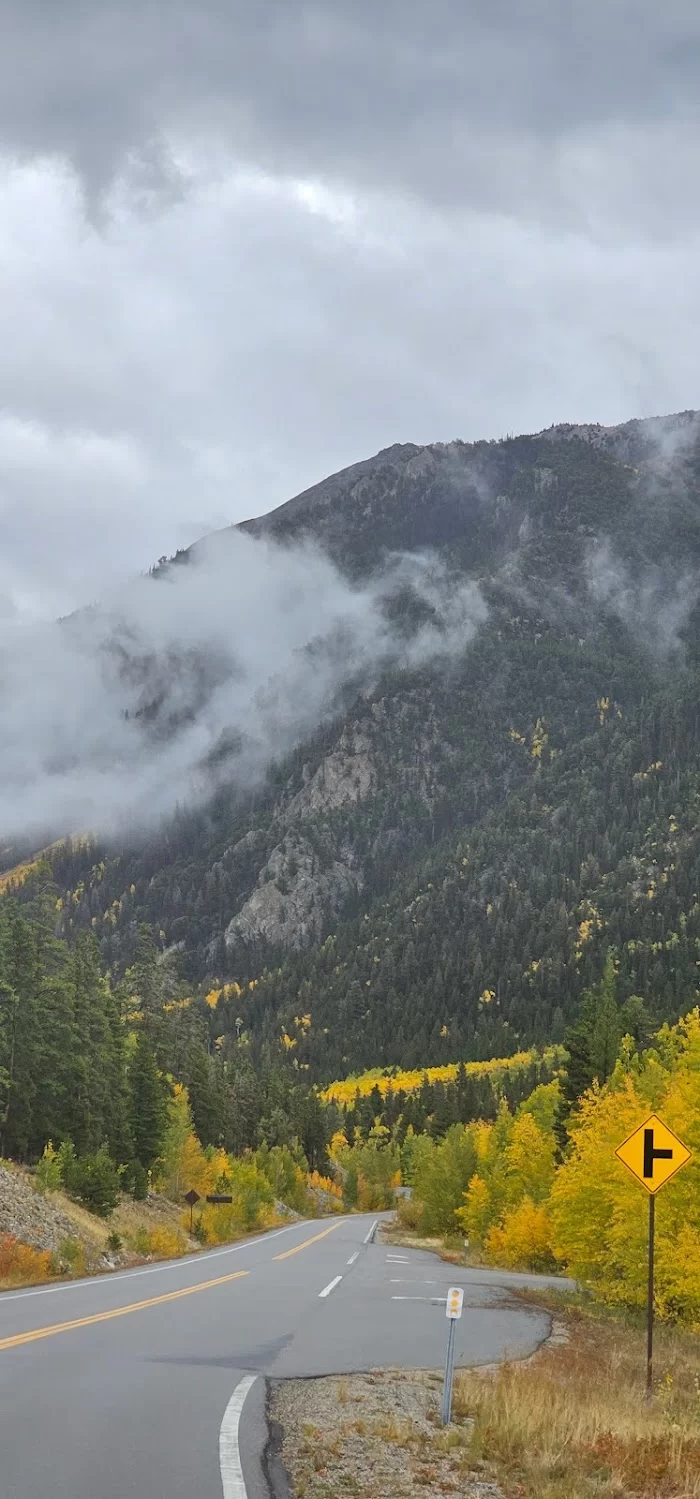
(412, 752)
(201, 674)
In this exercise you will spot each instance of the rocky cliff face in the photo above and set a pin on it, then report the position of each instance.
(306, 880)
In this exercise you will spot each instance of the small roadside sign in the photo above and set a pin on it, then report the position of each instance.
(218, 1197)
(455, 1299)
(653, 1153)
(191, 1198)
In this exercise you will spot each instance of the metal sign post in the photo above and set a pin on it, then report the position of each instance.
(191, 1197)
(455, 1298)
(653, 1154)
(650, 1297)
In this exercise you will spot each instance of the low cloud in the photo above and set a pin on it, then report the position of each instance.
(655, 603)
(205, 672)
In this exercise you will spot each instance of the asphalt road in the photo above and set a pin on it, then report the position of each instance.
(146, 1385)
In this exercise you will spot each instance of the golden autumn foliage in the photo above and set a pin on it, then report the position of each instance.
(344, 1092)
(599, 1211)
(325, 1184)
(522, 1240)
(184, 1164)
(503, 1185)
(13, 878)
(22, 1264)
(161, 1243)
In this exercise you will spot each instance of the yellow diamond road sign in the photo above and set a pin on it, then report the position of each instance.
(653, 1153)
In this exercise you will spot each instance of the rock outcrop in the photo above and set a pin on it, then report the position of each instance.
(28, 1216)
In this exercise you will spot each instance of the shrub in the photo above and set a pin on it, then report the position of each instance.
(48, 1175)
(69, 1258)
(22, 1264)
(167, 1242)
(114, 1242)
(409, 1212)
(162, 1242)
(96, 1182)
(139, 1241)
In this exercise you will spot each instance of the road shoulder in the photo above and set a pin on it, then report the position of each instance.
(373, 1435)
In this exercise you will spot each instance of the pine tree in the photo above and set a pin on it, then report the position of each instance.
(148, 1108)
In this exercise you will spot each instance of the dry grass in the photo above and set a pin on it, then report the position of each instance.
(572, 1423)
(376, 1436)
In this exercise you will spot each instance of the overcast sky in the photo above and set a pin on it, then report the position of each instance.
(246, 242)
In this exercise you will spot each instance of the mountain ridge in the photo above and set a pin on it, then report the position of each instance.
(585, 546)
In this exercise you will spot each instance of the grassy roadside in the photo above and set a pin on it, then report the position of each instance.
(572, 1422)
(75, 1259)
(79, 1243)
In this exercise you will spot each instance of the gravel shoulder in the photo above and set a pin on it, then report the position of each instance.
(375, 1436)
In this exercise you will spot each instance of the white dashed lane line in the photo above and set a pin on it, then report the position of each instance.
(331, 1286)
(353, 1257)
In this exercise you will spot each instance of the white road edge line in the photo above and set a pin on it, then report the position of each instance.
(229, 1451)
(109, 1278)
(369, 1236)
(331, 1286)
(436, 1300)
(413, 1282)
(353, 1257)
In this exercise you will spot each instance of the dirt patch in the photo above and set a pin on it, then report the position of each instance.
(375, 1436)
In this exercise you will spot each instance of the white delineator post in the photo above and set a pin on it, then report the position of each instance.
(455, 1298)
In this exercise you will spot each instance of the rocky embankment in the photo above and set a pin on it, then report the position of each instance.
(28, 1216)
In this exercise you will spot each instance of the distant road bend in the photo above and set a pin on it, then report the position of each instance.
(150, 1384)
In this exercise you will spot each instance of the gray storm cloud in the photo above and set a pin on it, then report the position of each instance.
(209, 670)
(439, 99)
(244, 245)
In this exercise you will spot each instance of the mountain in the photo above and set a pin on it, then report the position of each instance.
(439, 869)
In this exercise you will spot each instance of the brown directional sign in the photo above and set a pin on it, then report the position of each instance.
(653, 1153)
(218, 1197)
(191, 1197)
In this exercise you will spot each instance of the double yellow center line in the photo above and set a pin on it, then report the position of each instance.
(118, 1311)
(138, 1306)
(306, 1243)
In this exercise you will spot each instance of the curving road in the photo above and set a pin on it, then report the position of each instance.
(146, 1385)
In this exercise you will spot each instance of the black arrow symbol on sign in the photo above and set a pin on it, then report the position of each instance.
(651, 1155)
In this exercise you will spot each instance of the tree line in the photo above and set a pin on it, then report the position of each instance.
(91, 1064)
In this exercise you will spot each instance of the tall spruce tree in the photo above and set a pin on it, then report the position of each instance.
(148, 1105)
